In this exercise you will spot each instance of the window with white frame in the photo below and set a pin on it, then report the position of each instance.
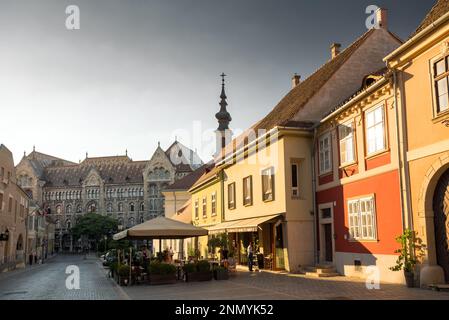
(325, 155)
(248, 191)
(214, 204)
(268, 184)
(347, 143)
(375, 129)
(441, 76)
(231, 196)
(362, 218)
(295, 179)
(204, 207)
(196, 209)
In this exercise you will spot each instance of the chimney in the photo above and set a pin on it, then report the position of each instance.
(335, 49)
(382, 18)
(296, 80)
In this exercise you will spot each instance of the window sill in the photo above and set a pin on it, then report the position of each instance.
(441, 116)
(325, 174)
(268, 200)
(348, 164)
(363, 240)
(248, 204)
(377, 154)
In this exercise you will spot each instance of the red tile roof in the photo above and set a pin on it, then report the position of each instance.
(437, 11)
(297, 98)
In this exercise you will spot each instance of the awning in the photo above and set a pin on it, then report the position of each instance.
(243, 225)
(161, 228)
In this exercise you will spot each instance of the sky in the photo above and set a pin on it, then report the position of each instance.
(141, 72)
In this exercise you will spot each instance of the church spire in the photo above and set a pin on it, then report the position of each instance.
(223, 134)
(223, 115)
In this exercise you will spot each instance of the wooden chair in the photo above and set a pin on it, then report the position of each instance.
(268, 262)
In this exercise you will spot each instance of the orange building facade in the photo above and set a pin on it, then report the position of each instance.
(357, 184)
(420, 68)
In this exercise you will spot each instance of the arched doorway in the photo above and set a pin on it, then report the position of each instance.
(19, 246)
(441, 222)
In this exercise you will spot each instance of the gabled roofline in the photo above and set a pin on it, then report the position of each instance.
(409, 43)
(356, 98)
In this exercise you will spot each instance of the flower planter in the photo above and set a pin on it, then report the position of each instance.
(221, 275)
(199, 276)
(409, 279)
(158, 279)
(123, 281)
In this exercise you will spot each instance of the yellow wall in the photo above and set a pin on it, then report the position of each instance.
(199, 193)
(427, 134)
(289, 146)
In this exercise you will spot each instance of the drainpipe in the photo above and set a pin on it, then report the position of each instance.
(315, 215)
(406, 218)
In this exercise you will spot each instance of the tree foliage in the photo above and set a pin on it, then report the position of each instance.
(94, 226)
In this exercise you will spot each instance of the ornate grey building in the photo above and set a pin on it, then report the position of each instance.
(129, 191)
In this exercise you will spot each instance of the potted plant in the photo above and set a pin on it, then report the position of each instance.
(221, 273)
(410, 251)
(113, 269)
(123, 272)
(162, 273)
(199, 271)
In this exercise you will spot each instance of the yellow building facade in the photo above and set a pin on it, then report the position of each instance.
(267, 198)
(206, 207)
(421, 70)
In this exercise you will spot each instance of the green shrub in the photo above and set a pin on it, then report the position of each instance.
(189, 267)
(113, 266)
(220, 268)
(203, 266)
(123, 270)
(161, 268)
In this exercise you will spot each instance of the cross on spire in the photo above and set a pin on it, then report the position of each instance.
(223, 115)
(223, 78)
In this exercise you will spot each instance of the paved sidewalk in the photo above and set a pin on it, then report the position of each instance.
(48, 281)
(271, 286)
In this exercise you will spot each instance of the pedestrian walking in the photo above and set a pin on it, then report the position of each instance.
(249, 251)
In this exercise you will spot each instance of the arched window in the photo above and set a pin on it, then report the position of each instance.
(58, 209)
(91, 207)
(142, 207)
(151, 204)
(120, 221)
(131, 222)
(131, 207)
(68, 209)
(153, 190)
(68, 224)
(58, 224)
(141, 220)
(109, 207)
(79, 209)
(19, 246)
(120, 207)
(141, 192)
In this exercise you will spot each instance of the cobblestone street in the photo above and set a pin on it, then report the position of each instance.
(270, 286)
(47, 281)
